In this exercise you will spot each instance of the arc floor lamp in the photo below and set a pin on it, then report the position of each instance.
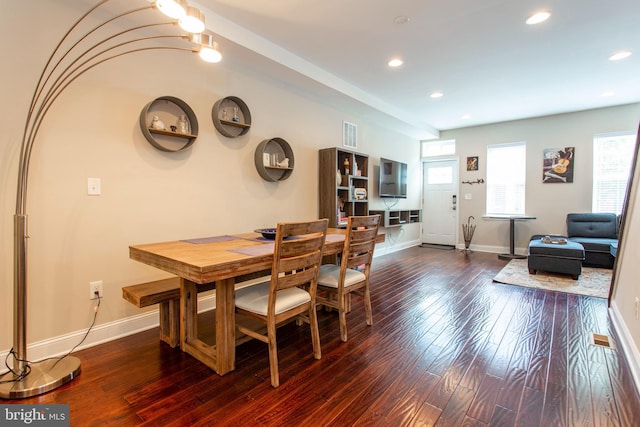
(75, 54)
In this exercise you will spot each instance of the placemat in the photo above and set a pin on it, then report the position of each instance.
(334, 237)
(211, 239)
(265, 249)
(268, 248)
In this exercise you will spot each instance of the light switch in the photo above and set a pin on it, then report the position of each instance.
(467, 196)
(93, 186)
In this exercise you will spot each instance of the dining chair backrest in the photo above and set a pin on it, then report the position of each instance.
(297, 255)
(291, 291)
(360, 242)
(336, 283)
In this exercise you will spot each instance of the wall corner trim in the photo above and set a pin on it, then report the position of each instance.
(631, 352)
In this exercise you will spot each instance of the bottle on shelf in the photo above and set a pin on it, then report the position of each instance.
(346, 166)
(183, 124)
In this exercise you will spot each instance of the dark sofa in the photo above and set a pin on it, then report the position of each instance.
(596, 232)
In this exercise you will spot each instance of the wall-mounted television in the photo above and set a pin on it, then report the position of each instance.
(393, 179)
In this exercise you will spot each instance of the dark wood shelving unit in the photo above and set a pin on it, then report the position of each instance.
(397, 217)
(332, 163)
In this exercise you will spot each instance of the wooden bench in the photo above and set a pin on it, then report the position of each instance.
(165, 292)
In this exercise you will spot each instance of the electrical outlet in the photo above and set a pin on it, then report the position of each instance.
(95, 287)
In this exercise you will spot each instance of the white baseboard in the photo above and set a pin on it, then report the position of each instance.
(389, 247)
(493, 249)
(631, 352)
(60, 345)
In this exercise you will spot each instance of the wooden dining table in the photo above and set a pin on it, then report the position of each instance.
(222, 261)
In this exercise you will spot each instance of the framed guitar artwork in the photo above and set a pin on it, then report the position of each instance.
(557, 165)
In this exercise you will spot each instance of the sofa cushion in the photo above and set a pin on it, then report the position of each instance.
(592, 244)
(593, 225)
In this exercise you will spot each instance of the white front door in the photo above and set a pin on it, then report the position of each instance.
(440, 202)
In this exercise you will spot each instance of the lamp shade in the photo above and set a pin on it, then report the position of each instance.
(193, 21)
(175, 9)
(210, 54)
(209, 50)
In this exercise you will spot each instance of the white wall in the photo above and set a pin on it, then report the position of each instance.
(624, 305)
(147, 195)
(549, 203)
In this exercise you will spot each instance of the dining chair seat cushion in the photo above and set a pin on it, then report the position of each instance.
(329, 276)
(256, 298)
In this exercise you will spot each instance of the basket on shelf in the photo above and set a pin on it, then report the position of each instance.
(467, 231)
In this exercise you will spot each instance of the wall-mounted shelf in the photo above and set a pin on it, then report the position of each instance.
(171, 133)
(397, 218)
(231, 116)
(268, 154)
(168, 109)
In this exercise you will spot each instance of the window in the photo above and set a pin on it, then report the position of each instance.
(612, 154)
(506, 172)
(438, 148)
(440, 175)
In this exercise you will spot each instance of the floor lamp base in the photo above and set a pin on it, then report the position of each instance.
(44, 376)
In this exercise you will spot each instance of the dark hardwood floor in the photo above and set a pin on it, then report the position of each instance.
(448, 347)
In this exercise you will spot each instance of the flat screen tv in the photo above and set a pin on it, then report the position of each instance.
(393, 179)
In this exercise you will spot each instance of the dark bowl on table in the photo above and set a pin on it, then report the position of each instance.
(267, 233)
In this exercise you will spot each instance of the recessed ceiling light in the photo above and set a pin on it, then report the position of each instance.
(620, 55)
(437, 95)
(538, 17)
(395, 62)
(607, 93)
(465, 117)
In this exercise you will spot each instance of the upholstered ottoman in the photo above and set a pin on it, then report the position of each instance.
(555, 257)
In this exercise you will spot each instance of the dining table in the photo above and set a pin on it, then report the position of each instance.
(222, 261)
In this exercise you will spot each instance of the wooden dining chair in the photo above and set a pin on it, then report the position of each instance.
(337, 282)
(291, 292)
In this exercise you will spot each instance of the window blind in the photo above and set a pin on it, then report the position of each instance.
(612, 154)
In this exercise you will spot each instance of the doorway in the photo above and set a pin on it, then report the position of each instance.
(440, 202)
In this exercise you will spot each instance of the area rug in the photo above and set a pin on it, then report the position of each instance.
(593, 282)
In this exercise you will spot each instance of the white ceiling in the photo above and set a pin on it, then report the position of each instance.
(488, 63)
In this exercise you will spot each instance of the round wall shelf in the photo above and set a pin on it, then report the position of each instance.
(174, 137)
(231, 116)
(270, 159)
